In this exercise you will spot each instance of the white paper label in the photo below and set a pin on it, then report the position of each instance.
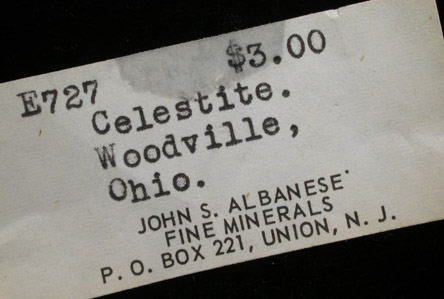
(263, 141)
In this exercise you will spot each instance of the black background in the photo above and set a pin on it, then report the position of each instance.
(40, 37)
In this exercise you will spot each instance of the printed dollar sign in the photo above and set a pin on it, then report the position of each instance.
(238, 59)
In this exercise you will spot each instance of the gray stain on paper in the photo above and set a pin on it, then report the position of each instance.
(180, 71)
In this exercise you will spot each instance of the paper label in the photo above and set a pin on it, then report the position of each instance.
(250, 144)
